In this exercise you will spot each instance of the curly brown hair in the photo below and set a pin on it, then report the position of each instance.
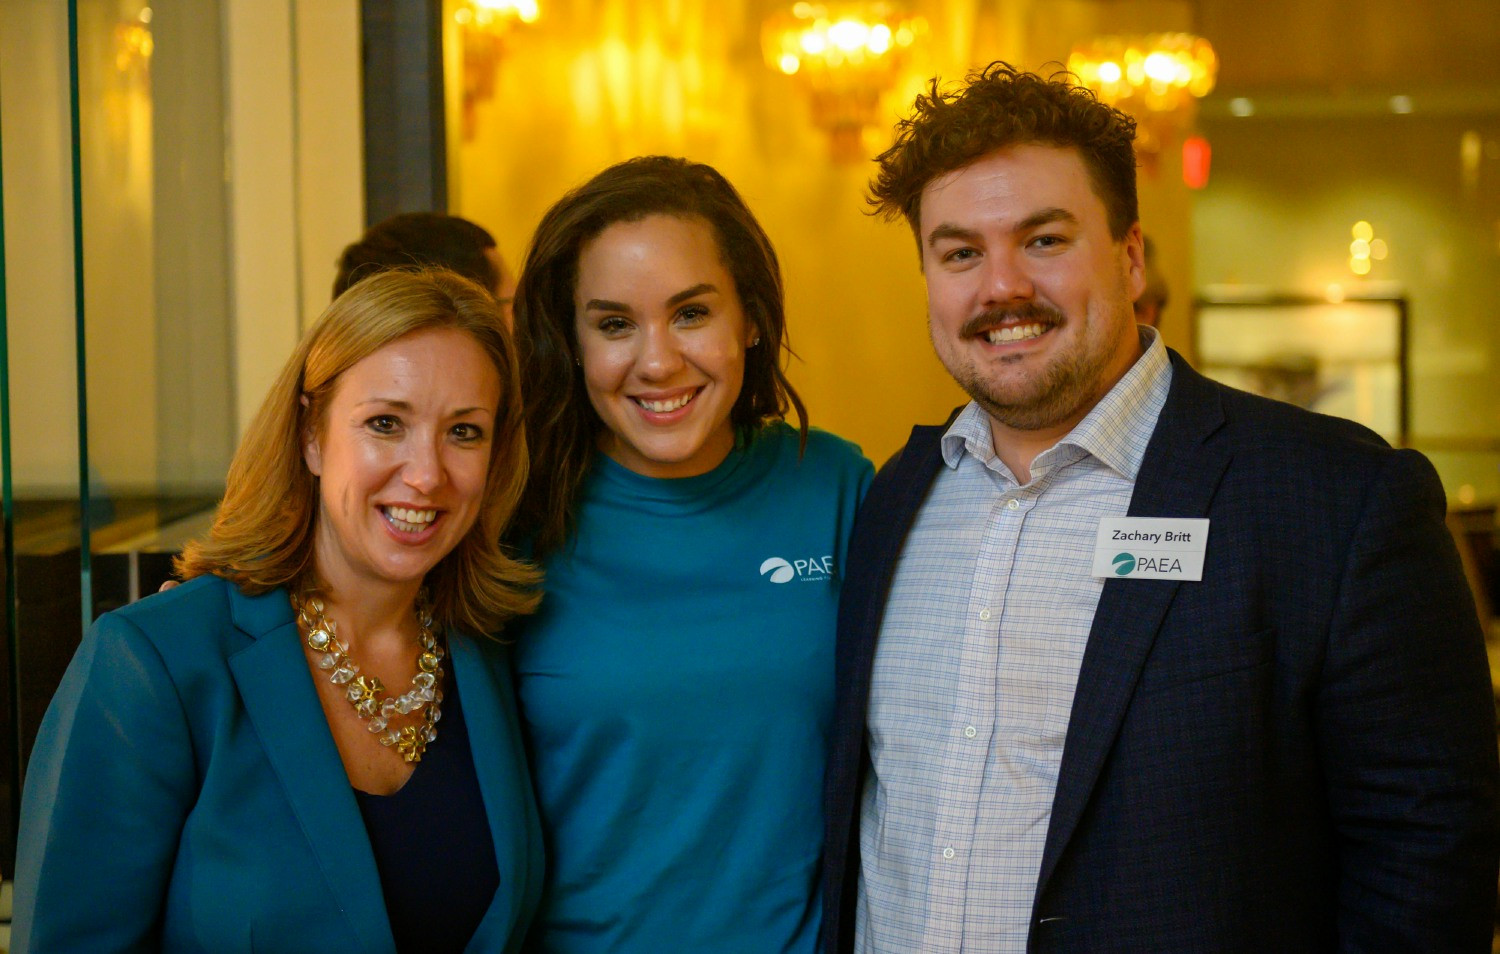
(1000, 106)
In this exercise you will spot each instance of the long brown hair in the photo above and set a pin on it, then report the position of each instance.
(560, 421)
(262, 535)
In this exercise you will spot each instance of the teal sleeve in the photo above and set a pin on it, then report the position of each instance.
(110, 782)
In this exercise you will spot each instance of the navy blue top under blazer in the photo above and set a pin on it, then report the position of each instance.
(185, 792)
(1295, 754)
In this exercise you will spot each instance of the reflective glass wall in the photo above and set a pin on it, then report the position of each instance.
(178, 179)
(116, 319)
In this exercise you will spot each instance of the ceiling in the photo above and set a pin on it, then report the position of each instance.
(1353, 47)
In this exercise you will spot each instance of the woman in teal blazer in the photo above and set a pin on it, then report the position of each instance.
(210, 776)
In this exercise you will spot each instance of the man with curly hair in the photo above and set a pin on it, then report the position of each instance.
(1128, 660)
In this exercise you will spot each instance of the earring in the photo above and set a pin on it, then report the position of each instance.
(755, 341)
(578, 361)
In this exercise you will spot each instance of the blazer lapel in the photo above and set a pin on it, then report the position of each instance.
(1178, 477)
(873, 561)
(879, 534)
(505, 784)
(282, 704)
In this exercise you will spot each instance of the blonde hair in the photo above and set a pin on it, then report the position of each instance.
(263, 532)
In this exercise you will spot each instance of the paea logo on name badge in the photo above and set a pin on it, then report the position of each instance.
(1150, 548)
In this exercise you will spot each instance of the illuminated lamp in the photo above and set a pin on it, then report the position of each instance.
(844, 57)
(482, 26)
(1157, 78)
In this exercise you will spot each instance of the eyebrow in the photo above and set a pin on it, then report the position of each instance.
(604, 304)
(702, 288)
(388, 402)
(1045, 217)
(406, 406)
(950, 231)
(947, 230)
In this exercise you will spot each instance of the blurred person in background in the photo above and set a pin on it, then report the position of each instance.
(1153, 297)
(428, 238)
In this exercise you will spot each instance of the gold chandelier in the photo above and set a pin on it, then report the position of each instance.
(845, 56)
(1157, 78)
(134, 44)
(482, 25)
(492, 14)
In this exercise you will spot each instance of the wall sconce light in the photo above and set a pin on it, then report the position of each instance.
(482, 26)
(489, 14)
(1157, 78)
(133, 44)
(845, 56)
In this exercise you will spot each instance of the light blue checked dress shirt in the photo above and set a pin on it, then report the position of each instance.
(975, 669)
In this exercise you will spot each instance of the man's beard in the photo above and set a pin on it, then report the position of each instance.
(1054, 394)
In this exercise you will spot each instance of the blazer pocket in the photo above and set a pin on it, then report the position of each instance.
(1172, 666)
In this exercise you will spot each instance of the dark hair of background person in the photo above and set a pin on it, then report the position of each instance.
(420, 239)
(1153, 298)
(1000, 106)
(264, 529)
(561, 424)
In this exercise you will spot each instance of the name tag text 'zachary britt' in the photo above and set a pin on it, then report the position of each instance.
(1151, 548)
(1166, 536)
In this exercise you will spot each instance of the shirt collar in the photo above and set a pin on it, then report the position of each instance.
(1116, 431)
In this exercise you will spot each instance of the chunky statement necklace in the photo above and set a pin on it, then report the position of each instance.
(367, 694)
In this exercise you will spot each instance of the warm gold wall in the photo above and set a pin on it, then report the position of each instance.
(597, 81)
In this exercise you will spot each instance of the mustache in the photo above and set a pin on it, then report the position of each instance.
(1030, 312)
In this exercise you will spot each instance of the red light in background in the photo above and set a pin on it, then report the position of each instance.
(1196, 156)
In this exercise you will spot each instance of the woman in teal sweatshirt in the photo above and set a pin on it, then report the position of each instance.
(677, 684)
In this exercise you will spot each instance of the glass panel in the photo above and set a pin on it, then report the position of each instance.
(44, 616)
(88, 533)
(155, 285)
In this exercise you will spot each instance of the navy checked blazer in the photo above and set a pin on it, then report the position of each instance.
(1296, 753)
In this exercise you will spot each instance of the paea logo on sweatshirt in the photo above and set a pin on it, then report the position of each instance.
(809, 570)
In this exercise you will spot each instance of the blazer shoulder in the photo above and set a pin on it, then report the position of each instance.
(205, 619)
(908, 460)
(202, 599)
(895, 494)
(1282, 433)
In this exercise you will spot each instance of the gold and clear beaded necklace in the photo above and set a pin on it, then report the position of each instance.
(367, 694)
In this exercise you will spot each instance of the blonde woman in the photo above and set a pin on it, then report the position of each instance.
(308, 746)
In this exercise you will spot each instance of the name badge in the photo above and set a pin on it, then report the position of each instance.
(1150, 548)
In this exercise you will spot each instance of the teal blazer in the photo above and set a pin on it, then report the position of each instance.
(185, 793)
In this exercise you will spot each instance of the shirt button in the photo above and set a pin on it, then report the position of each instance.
(1012, 504)
(984, 614)
(970, 732)
(948, 853)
